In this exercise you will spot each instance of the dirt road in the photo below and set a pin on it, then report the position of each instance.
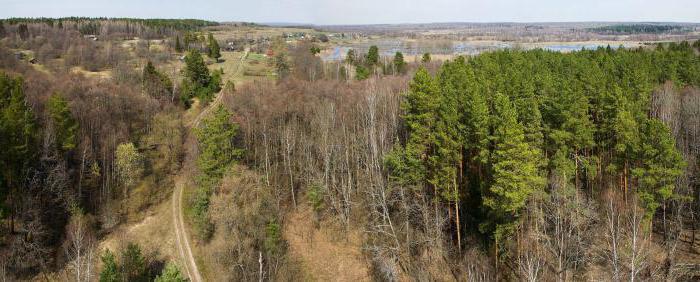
(217, 99)
(183, 242)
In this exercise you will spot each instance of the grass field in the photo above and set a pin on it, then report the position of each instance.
(224, 32)
(238, 69)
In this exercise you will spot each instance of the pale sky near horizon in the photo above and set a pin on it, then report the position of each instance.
(365, 11)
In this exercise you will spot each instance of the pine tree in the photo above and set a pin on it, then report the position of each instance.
(426, 58)
(361, 73)
(626, 130)
(477, 124)
(195, 69)
(399, 63)
(197, 82)
(420, 116)
(447, 158)
(514, 167)
(155, 83)
(373, 56)
(133, 264)
(214, 49)
(281, 65)
(187, 40)
(215, 137)
(170, 274)
(178, 46)
(661, 165)
(350, 57)
(64, 125)
(23, 31)
(410, 163)
(315, 50)
(110, 270)
(18, 129)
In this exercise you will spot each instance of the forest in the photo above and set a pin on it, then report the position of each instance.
(636, 28)
(540, 163)
(508, 165)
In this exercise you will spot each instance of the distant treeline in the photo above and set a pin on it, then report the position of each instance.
(636, 28)
(176, 24)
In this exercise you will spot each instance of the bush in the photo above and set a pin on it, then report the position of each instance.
(110, 270)
(133, 263)
(200, 214)
(361, 73)
(170, 274)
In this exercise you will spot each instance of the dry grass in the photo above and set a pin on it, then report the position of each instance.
(224, 32)
(105, 74)
(327, 254)
(154, 234)
(238, 69)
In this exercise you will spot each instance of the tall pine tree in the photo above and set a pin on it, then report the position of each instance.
(63, 124)
(19, 131)
(213, 48)
(514, 168)
(661, 165)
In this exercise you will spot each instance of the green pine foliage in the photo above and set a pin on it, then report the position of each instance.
(485, 131)
(516, 174)
(409, 162)
(214, 51)
(361, 73)
(372, 58)
(315, 50)
(351, 57)
(399, 63)
(198, 81)
(18, 128)
(195, 69)
(425, 58)
(217, 153)
(661, 165)
(178, 45)
(110, 269)
(171, 273)
(64, 125)
(155, 83)
(216, 136)
(133, 264)
(273, 237)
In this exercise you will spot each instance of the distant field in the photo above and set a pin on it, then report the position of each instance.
(223, 32)
(239, 69)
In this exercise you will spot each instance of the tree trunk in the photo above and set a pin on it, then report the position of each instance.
(457, 224)
(625, 180)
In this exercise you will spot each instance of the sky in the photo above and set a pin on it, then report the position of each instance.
(328, 12)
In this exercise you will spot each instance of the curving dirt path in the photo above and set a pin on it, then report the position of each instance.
(183, 242)
(217, 99)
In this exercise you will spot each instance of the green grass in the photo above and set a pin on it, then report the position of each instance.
(252, 66)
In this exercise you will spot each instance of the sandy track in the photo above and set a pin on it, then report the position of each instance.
(183, 242)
